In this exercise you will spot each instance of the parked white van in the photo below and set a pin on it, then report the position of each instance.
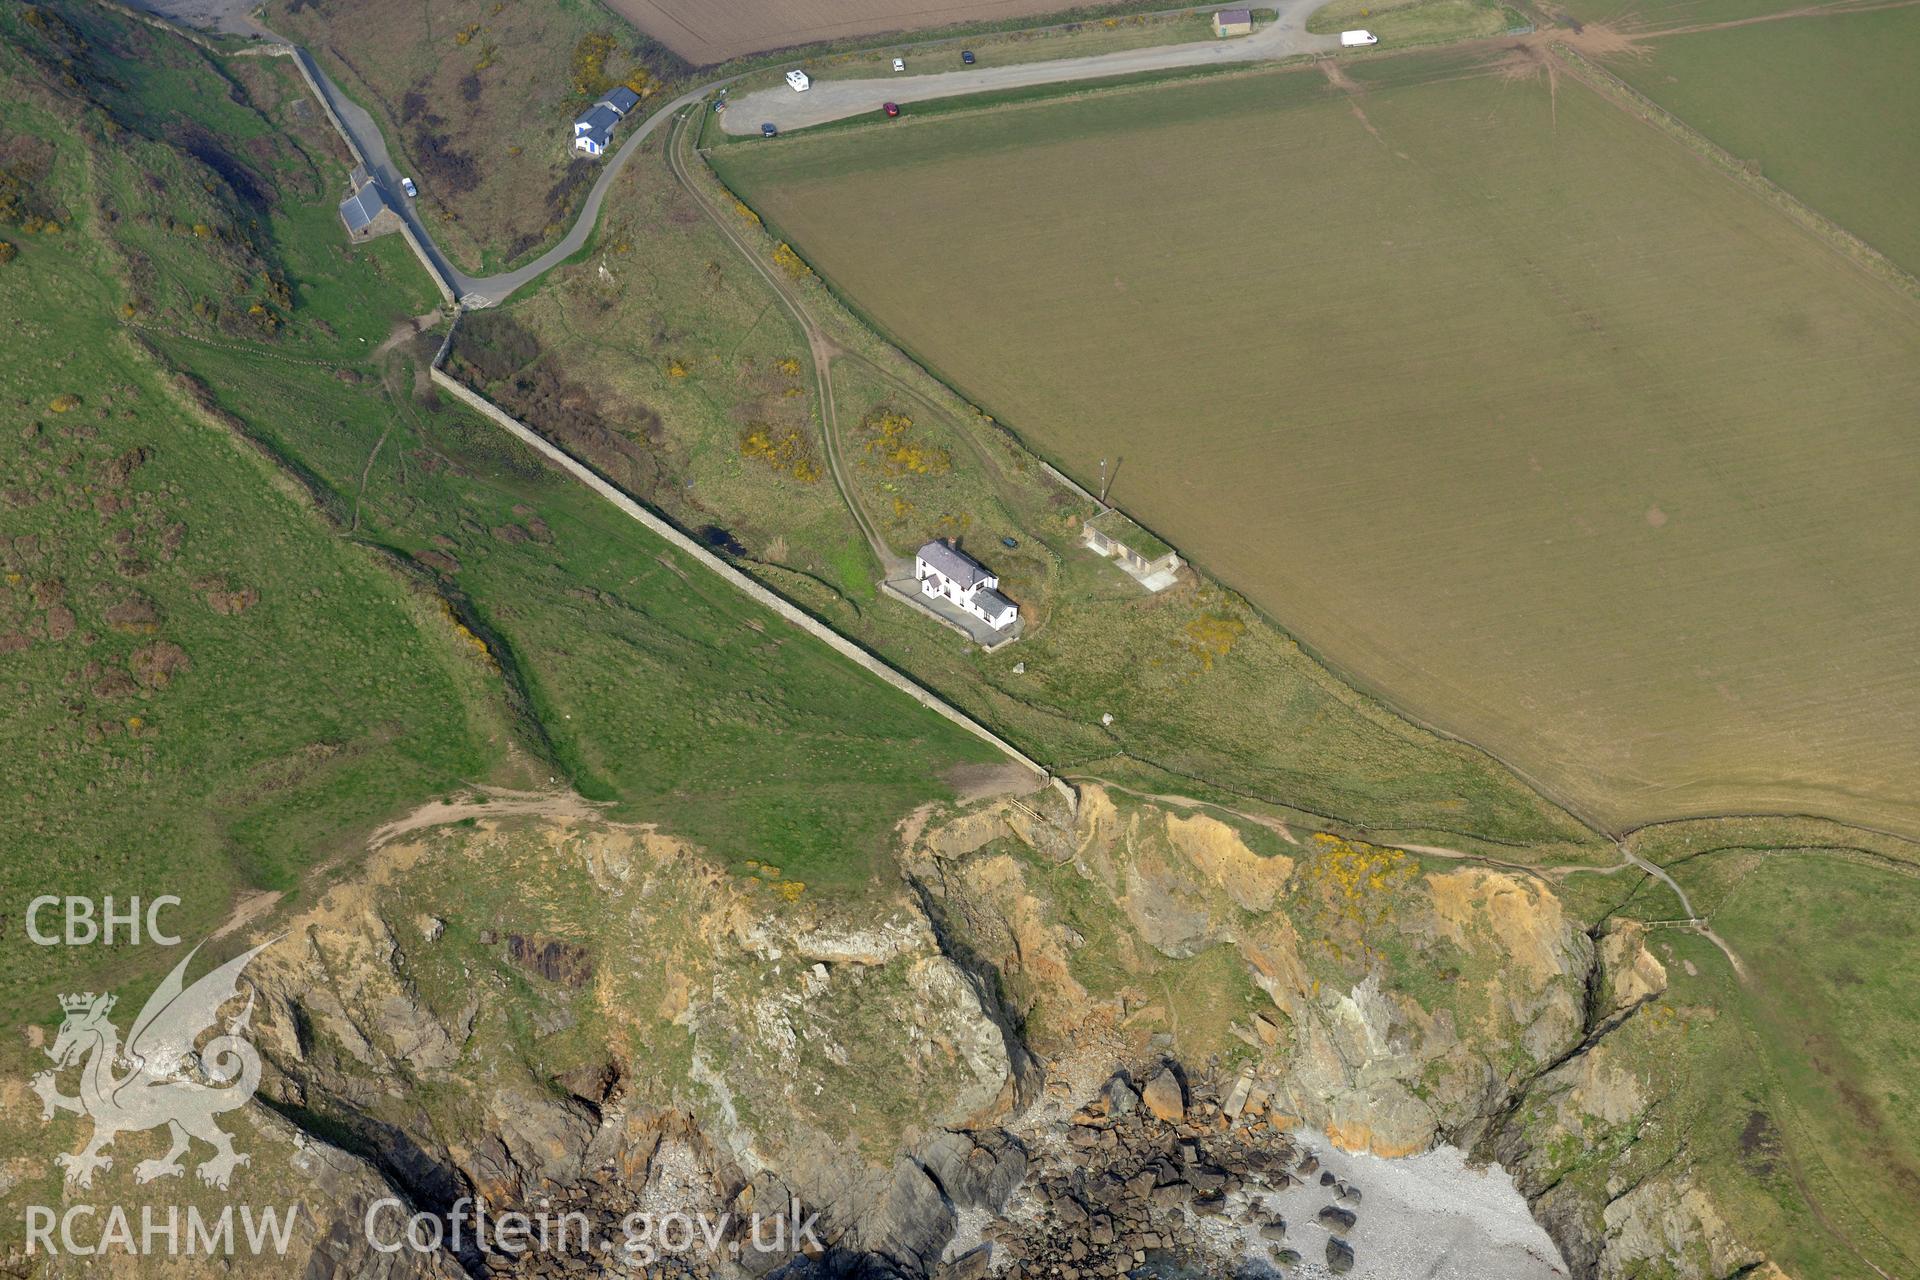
(1347, 38)
(798, 79)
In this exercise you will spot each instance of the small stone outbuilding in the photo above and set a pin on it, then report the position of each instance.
(1233, 22)
(367, 211)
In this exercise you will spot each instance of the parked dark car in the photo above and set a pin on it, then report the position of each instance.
(966, 56)
(892, 108)
(768, 131)
(1009, 542)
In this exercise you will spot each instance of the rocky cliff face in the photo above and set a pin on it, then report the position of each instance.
(1385, 1003)
(570, 1012)
(1603, 1169)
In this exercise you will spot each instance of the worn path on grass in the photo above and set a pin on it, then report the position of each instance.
(820, 347)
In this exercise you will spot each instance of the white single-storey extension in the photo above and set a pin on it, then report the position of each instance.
(946, 572)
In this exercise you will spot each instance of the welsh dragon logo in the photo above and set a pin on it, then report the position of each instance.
(158, 1077)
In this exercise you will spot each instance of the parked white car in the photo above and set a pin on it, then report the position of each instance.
(899, 64)
(406, 185)
(798, 79)
(1350, 39)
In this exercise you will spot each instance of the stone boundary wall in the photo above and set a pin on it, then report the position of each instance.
(586, 475)
(755, 591)
(304, 60)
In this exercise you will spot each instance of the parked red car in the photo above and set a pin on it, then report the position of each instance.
(892, 109)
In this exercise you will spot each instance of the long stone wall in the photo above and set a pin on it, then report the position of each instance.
(304, 60)
(587, 476)
(759, 593)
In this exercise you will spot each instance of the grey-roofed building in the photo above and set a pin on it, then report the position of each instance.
(593, 130)
(622, 99)
(948, 573)
(997, 611)
(367, 212)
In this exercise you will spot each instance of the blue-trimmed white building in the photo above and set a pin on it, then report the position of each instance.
(593, 128)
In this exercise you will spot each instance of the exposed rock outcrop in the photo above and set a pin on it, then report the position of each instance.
(716, 1037)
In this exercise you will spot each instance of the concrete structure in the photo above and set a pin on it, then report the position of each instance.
(593, 128)
(946, 572)
(1233, 22)
(367, 211)
(1146, 559)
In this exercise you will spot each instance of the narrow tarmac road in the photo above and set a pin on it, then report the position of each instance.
(827, 100)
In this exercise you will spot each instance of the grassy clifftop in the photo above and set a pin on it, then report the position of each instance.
(263, 591)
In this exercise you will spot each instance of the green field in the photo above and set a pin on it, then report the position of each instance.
(259, 593)
(1519, 412)
(1807, 1131)
(1203, 694)
(207, 690)
(1404, 22)
(1827, 105)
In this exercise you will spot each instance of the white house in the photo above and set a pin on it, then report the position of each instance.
(948, 573)
(593, 128)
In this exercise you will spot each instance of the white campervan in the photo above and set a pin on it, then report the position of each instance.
(798, 79)
(1347, 38)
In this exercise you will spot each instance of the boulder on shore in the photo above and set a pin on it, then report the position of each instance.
(1165, 1097)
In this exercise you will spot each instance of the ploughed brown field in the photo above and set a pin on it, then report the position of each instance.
(708, 31)
(1518, 411)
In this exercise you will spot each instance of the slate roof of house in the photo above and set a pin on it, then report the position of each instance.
(1232, 17)
(596, 135)
(954, 564)
(992, 602)
(363, 206)
(599, 118)
(622, 99)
